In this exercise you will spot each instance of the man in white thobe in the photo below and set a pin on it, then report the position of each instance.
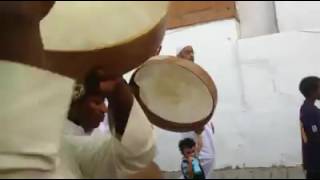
(45, 155)
(205, 139)
(34, 105)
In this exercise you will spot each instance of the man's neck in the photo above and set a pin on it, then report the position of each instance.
(20, 41)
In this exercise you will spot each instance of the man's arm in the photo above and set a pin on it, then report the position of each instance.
(120, 105)
(199, 140)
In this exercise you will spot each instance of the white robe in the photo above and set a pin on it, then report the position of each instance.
(34, 107)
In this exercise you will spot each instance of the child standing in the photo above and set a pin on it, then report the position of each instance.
(190, 165)
(310, 126)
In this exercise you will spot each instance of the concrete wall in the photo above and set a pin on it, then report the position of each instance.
(214, 45)
(298, 15)
(256, 18)
(271, 68)
(267, 17)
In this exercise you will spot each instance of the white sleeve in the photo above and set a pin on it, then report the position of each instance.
(110, 158)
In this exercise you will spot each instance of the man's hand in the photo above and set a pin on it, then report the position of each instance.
(190, 169)
(199, 131)
(109, 86)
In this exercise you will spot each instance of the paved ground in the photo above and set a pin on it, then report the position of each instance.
(254, 173)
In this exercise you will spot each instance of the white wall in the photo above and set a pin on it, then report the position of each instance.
(256, 18)
(267, 17)
(272, 67)
(257, 118)
(298, 15)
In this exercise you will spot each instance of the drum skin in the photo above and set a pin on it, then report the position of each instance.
(165, 123)
(116, 60)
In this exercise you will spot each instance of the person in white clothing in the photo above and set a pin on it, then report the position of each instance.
(35, 100)
(86, 117)
(203, 138)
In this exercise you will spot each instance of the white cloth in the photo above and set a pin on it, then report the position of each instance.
(71, 128)
(73, 157)
(103, 127)
(207, 153)
(33, 107)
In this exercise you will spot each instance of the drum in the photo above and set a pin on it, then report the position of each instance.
(175, 94)
(119, 36)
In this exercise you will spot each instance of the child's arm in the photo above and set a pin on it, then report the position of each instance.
(190, 169)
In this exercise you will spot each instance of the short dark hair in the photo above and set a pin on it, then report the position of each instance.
(186, 143)
(308, 85)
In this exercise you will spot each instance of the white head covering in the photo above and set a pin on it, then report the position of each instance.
(180, 48)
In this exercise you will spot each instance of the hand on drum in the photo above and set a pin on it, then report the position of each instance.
(109, 86)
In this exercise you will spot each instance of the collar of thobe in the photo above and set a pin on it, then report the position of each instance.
(70, 128)
(34, 104)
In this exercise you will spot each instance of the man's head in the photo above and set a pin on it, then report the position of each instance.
(187, 147)
(310, 87)
(186, 53)
(88, 111)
